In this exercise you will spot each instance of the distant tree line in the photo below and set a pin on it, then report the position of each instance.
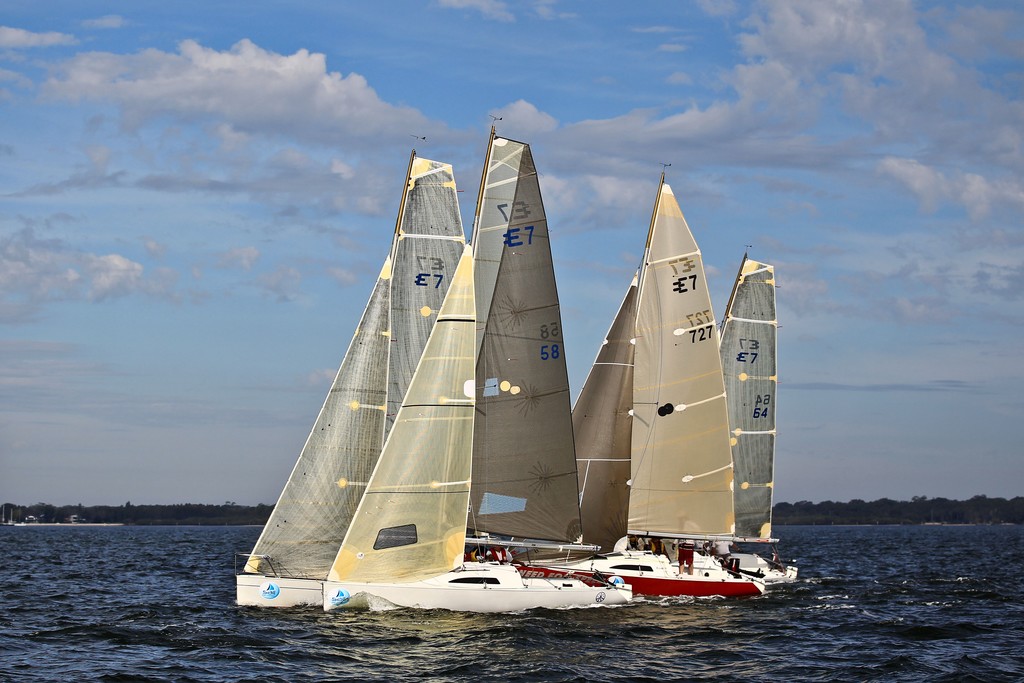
(918, 510)
(180, 513)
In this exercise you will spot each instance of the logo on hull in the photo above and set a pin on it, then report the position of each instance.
(339, 597)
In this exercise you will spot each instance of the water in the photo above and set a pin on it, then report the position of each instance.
(157, 604)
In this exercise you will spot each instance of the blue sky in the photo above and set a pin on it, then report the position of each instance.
(196, 197)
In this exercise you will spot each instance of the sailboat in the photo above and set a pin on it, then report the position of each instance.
(406, 544)
(518, 478)
(298, 545)
(749, 366)
(652, 430)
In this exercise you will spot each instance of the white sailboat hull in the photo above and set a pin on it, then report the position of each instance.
(483, 587)
(272, 591)
(758, 567)
(653, 574)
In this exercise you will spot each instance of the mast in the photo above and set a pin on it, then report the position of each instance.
(480, 192)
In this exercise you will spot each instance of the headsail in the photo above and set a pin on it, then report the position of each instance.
(602, 426)
(749, 366)
(411, 523)
(681, 463)
(524, 463)
(305, 530)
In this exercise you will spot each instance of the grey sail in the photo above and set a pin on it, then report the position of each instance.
(429, 245)
(316, 506)
(602, 425)
(524, 463)
(749, 365)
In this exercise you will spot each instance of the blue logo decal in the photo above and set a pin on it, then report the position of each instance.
(339, 597)
(270, 590)
(617, 581)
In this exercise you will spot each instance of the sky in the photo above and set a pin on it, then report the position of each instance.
(196, 199)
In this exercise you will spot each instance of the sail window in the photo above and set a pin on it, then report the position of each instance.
(475, 579)
(491, 386)
(496, 504)
(395, 536)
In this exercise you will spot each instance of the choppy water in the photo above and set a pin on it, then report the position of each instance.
(157, 604)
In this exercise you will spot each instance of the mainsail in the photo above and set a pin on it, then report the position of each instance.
(681, 462)
(602, 426)
(429, 244)
(306, 528)
(524, 463)
(411, 522)
(749, 365)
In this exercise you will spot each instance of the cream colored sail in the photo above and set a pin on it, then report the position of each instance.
(681, 462)
(749, 365)
(411, 522)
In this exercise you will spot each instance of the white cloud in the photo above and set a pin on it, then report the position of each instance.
(718, 8)
(282, 283)
(34, 270)
(16, 38)
(342, 276)
(111, 275)
(492, 9)
(240, 257)
(672, 47)
(526, 120)
(976, 193)
(251, 89)
(155, 249)
(678, 78)
(108, 21)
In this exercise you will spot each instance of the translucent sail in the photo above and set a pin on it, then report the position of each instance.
(681, 462)
(305, 529)
(430, 243)
(749, 366)
(311, 516)
(524, 462)
(603, 427)
(411, 522)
